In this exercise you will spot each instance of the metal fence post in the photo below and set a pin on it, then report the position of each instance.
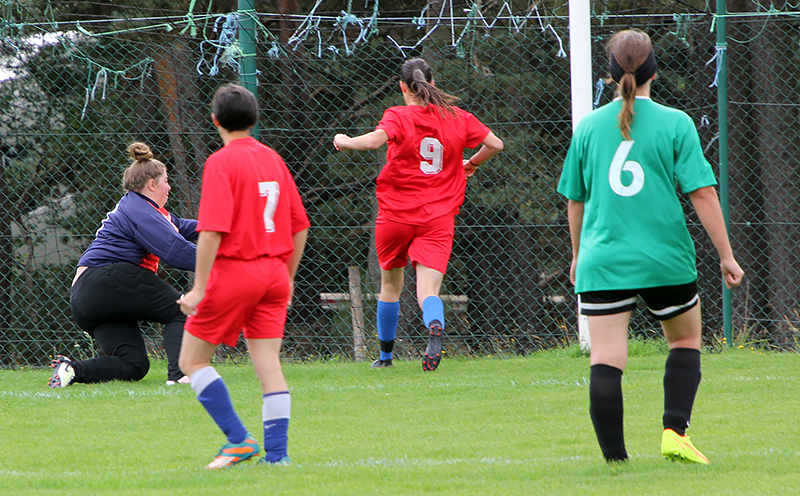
(247, 42)
(722, 106)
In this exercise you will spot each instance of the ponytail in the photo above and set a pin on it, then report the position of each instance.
(627, 89)
(632, 64)
(416, 74)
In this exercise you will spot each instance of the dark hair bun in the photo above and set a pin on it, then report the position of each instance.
(140, 152)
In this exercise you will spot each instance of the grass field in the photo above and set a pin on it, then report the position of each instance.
(516, 426)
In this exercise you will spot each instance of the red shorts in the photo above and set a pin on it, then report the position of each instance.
(242, 296)
(430, 245)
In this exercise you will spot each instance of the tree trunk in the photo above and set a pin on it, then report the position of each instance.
(168, 77)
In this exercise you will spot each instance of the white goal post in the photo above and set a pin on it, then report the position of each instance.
(580, 65)
(580, 59)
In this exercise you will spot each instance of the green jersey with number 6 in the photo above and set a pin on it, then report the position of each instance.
(634, 231)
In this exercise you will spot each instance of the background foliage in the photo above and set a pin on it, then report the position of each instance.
(81, 80)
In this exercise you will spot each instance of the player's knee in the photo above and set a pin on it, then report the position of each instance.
(133, 365)
(190, 366)
(185, 366)
(139, 369)
(136, 366)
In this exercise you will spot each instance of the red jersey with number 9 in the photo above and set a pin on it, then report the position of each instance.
(423, 178)
(249, 195)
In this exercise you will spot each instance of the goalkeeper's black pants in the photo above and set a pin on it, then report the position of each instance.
(108, 303)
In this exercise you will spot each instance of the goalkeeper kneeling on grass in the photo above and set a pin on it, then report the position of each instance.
(116, 285)
(629, 239)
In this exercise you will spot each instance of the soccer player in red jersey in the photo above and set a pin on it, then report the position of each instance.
(253, 230)
(420, 191)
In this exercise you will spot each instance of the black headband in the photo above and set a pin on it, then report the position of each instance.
(644, 72)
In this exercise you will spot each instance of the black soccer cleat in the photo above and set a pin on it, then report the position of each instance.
(433, 353)
(379, 364)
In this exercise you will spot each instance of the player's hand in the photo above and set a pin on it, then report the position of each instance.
(291, 294)
(189, 302)
(337, 140)
(732, 274)
(469, 167)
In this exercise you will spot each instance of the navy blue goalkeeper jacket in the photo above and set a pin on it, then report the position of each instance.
(139, 232)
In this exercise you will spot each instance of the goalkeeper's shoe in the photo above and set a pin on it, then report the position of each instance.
(63, 373)
(379, 364)
(183, 380)
(680, 449)
(231, 454)
(433, 353)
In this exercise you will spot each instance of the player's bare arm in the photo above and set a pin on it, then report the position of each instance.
(207, 246)
(369, 141)
(299, 241)
(709, 211)
(491, 146)
(575, 218)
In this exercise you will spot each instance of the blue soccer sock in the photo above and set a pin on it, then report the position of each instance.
(213, 395)
(276, 412)
(388, 315)
(433, 309)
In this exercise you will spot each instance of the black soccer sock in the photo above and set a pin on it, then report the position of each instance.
(605, 407)
(76, 367)
(387, 347)
(681, 379)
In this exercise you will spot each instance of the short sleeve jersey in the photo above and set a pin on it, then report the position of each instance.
(249, 195)
(424, 178)
(634, 231)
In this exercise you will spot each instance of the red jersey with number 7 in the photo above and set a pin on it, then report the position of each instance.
(249, 195)
(423, 178)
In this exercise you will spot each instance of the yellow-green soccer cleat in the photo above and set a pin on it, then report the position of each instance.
(231, 454)
(680, 449)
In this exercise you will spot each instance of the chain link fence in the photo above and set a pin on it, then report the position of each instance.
(80, 81)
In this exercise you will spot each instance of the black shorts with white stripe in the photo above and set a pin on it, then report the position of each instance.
(663, 302)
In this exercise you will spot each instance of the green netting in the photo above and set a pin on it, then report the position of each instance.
(80, 81)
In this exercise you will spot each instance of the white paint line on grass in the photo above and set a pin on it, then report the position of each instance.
(431, 462)
(413, 463)
(766, 378)
(364, 463)
(94, 393)
(581, 382)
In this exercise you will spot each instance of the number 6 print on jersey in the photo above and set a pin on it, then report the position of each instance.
(619, 165)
